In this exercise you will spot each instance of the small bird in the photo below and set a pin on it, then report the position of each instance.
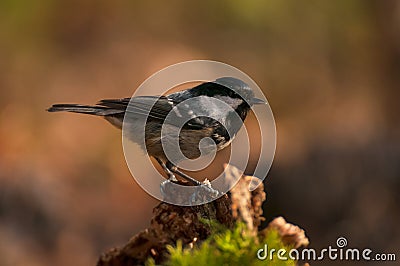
(202, 118)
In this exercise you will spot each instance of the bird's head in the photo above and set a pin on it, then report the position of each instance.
(238, 89)
(231, 90)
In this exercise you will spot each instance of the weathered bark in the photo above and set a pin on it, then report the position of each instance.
(171, 223)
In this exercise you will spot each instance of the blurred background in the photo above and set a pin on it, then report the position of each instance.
(331, 72)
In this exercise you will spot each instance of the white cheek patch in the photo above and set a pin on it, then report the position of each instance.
(233, 102)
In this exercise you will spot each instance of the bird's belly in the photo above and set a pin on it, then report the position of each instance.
(174, 141)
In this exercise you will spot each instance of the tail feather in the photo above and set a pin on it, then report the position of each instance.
(85, 109)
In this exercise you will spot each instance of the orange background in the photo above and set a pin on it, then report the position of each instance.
(330, 71)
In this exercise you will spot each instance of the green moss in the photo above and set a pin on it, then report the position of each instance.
(228, 247)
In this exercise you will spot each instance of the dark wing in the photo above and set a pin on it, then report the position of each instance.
(158, 107)
(155, 107)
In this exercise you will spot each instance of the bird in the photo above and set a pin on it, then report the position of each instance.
(193, 112)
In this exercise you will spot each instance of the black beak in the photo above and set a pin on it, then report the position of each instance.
(257, 101)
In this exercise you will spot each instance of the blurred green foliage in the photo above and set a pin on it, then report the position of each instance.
(228, 247)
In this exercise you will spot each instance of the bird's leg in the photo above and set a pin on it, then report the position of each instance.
(175, 170)
(171, 176)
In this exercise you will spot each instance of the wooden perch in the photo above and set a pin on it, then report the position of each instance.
(171, 223)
